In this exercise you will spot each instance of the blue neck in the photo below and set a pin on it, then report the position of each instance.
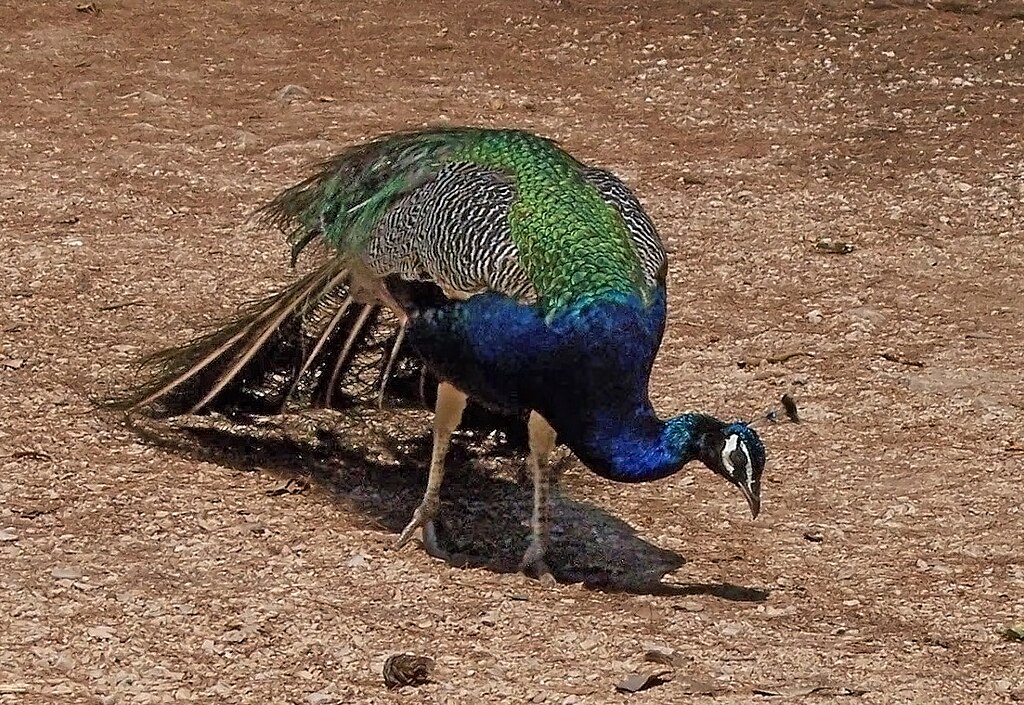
(640, 447)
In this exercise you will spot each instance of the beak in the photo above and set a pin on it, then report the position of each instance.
(753, 501)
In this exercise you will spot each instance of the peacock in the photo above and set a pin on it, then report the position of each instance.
(484, 270)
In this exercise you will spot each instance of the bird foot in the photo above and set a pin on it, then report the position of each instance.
(533, 564)
(423, 523)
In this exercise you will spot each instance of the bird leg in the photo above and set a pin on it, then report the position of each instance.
(542, 442)
(447, 416)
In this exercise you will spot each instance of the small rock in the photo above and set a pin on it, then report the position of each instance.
(64, 662)
(64, 572)
(357, 561)
(100, 632)
(291, 93)
(641, 681)
(8, 535)
(151, 98)
(665, 656)
(246, 141)
(489, 619)
(833, 246)
(731, 630)
(233, 636)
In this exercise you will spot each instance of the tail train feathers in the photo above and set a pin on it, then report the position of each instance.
(309, 343)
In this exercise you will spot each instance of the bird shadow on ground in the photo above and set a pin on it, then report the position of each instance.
(484, 520)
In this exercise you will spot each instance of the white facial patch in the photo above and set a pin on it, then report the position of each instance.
(731, 444)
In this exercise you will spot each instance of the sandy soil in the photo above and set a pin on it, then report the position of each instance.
(136, 140)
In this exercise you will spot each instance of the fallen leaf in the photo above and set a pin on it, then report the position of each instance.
(832, 246)
(289, 486)
(233, 636)
(100, 632)
(665, 656)
(642, 681)
(407, 669)
(1014, 633)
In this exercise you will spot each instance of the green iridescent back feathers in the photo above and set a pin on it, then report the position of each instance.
(570, 242)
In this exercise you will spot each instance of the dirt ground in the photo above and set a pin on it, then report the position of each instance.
(136, 140)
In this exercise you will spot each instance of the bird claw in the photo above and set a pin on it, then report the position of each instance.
(533, 564)
(423, 520)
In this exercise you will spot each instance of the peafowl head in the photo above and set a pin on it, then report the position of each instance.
(735, 452)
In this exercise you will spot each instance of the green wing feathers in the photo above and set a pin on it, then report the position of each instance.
(352, 191)
(569, 240)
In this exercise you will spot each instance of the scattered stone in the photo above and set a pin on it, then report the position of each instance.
(101, 632)
(291, 93)
(151, 98)
(66, 573)
(665, 656)
(357, 561)
(833, 246)
(636, 682)
(233, 636)
(1014, 633)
